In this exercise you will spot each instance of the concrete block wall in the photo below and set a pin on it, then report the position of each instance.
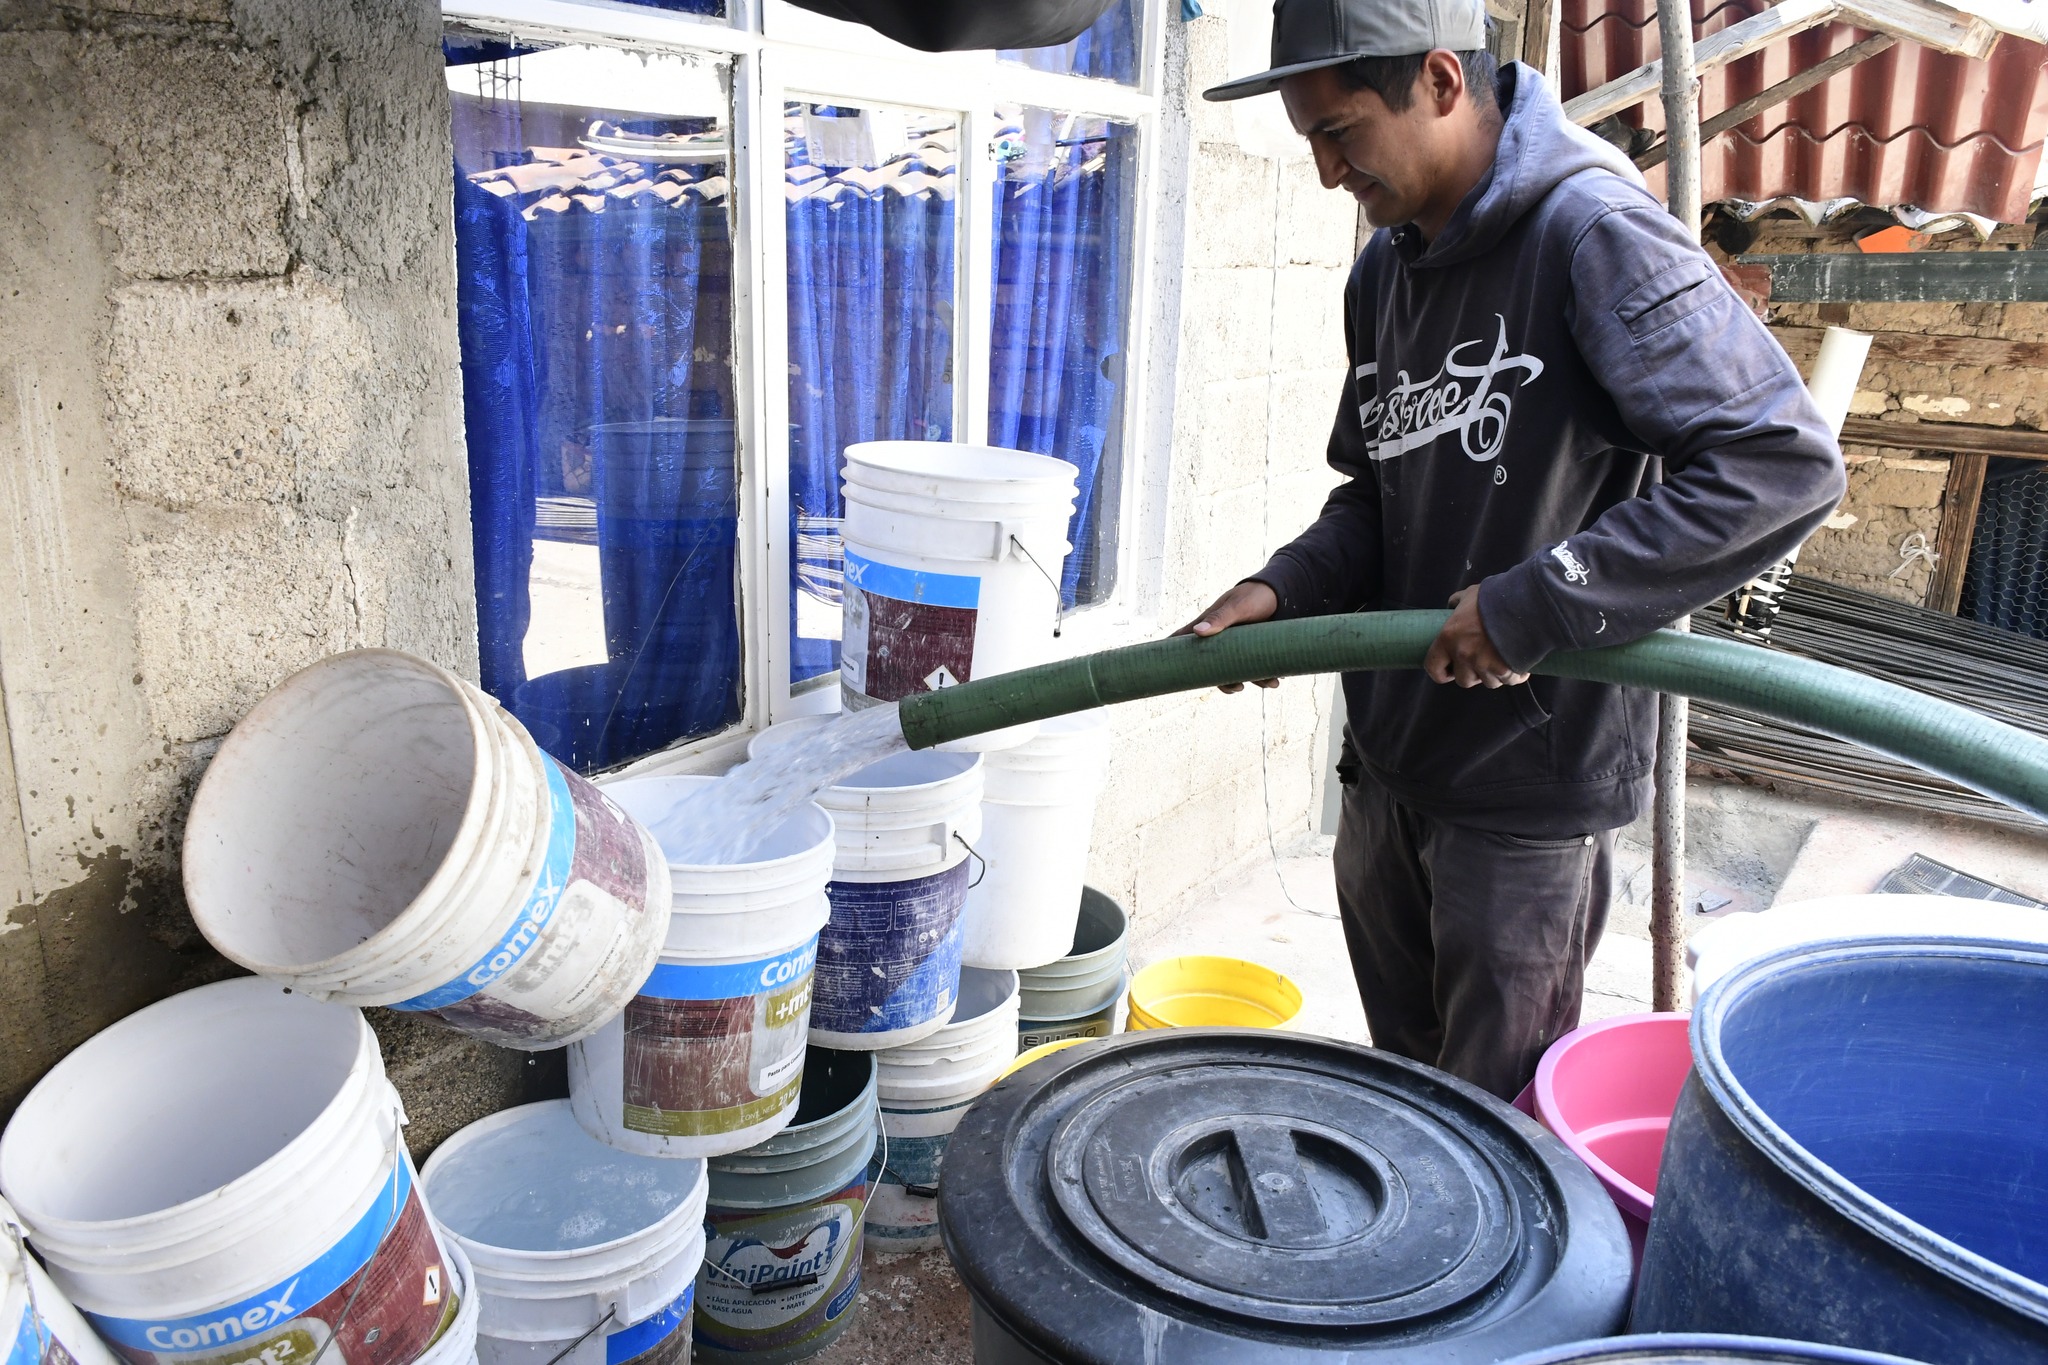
(231, 444)
(1202, 783)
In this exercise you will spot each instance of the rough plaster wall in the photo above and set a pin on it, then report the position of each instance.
(232, 445)
(1199, 779)
(1893, 496)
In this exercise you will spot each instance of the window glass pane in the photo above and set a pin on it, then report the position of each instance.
(713, 8)
(1107, 50)
(871, 212)
(594, 293)
(1064, 203)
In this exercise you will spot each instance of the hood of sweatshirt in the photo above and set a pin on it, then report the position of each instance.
(1539, 148)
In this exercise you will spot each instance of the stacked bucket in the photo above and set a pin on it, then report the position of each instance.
(222, 1177)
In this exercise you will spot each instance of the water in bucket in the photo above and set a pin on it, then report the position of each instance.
(721, 822)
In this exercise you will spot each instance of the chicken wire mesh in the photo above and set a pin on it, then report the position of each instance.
(2006, 581)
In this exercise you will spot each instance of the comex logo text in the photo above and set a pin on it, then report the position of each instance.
(223, 1330)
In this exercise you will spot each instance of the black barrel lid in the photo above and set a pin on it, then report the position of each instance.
(1180, 1195)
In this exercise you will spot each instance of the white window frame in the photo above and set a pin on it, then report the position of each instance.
(781, 53)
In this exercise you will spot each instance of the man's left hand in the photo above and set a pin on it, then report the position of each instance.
(1462, 653)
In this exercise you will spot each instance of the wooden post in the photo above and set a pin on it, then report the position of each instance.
(1681, 91)
(1958, 528)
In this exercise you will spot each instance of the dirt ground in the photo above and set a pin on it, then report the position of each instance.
(913, 1311)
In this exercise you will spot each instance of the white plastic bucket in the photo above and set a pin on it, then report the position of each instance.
(708, 1057)
(925, 1088)
(581, 1251)
(889, 958)
(38, 1325)
(1037, 814)
(953, 559)
(223, 1171)
(379, 832)
(1720, 947)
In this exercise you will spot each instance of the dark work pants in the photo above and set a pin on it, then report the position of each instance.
(1469, 947)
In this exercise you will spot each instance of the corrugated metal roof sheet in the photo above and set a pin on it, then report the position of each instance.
(1908, 126)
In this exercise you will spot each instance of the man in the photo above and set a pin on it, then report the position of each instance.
(1531, 336)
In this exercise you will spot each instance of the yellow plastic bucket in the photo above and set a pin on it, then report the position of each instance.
(1201, 992)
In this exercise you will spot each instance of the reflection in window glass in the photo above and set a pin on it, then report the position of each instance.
(594, 249)
(714, 8)
(1107, 50)
(871, 208)
(1065, 192)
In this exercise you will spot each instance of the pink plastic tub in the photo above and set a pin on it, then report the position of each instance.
(1607, 1090)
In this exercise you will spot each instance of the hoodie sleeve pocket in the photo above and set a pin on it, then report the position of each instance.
(1668, 297)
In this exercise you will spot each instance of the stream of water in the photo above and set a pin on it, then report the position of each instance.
(722, 822)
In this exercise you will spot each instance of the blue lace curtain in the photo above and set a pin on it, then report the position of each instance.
(594, 309)
(1062, 309)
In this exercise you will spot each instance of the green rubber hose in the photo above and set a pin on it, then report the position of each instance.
(1985, 755)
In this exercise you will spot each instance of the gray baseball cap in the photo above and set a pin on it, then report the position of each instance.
(1312, 33)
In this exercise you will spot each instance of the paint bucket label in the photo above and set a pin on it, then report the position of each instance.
(1037, 1032)
(780, 1279)
(383, 1284)
(905, 631)
(890, 957)
(717, 1047)
(663, 1339)
(594, 870)
(34, 1342)
(905, 1208)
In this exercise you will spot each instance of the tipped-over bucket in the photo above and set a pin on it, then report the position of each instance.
(379, 832)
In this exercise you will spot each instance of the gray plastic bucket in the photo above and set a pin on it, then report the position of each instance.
(1076, 996)
(783, 1225)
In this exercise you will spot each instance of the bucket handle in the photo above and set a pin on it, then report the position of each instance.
(1059, 600)
(397, 1208)
(970, 886)
(44, 1332)
(611, 1311)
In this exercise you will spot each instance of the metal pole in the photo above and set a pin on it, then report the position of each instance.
(1682, 171)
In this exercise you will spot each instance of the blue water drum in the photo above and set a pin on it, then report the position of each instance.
(1861, 1155)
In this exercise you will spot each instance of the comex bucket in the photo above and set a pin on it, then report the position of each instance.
(254, 1190)
(784, 1228)
(1076, 997)
(379, 832)
(953, 560)
(925, 1088)
(708, 1056)
(38, 1325)
(1037, 817)
(889, 959)
(1202, 992)
(582, 1253)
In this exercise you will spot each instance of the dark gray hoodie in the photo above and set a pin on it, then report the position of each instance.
(1512, 385)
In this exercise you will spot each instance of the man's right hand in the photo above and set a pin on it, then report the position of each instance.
(1245, 604)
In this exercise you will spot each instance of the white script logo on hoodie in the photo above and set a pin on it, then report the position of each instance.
(1415, 412)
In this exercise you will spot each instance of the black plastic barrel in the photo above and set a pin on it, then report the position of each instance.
(1861, 1155)
(1704, 1350)
(1201, 1196)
